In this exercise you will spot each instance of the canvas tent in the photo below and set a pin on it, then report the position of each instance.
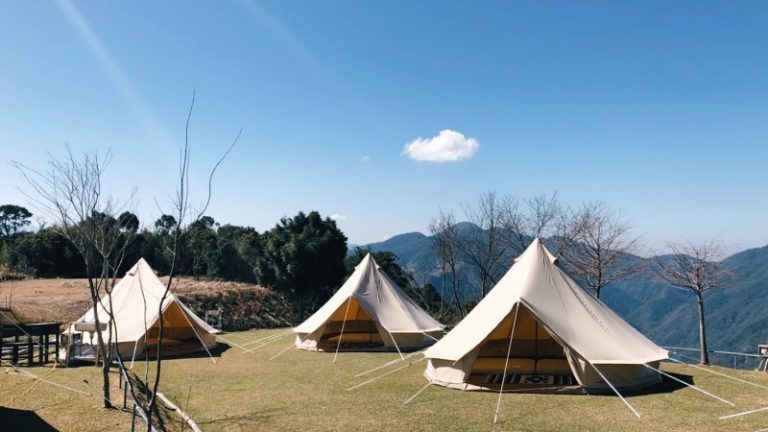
(368, 311)
(136, 300)
(538, 324)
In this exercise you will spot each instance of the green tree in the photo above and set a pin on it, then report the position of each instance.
(235, 254)
(12, 219)
(201, 245)
(128, 221)
(304, 259)
(165, 223)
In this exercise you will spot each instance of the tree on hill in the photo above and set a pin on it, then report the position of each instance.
(698, 269)
(12, 219)
(304, 259)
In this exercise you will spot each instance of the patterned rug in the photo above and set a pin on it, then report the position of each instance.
(544, 380)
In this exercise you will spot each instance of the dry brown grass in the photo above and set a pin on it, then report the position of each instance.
(65, 300)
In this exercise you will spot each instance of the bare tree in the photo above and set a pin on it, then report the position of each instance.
(445, 238)
(538, 217)
(484, 247)
(70, 191)
(503, 227)
(598, 250)
(185, 216)
(698, 269)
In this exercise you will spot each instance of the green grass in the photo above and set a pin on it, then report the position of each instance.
(301, 390)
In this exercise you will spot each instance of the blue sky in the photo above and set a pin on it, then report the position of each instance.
(658, 109)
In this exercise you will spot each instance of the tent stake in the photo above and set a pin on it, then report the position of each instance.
(506, 363)
(417, 393)
(338, 344)
(690, 385)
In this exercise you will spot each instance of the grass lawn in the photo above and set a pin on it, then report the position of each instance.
(301, 390)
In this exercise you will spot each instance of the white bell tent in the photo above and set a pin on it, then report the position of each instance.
(368, 312)
(136, 300)
(538, 324)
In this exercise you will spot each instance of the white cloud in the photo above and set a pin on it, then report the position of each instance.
(365, 159)
(447, 146)
(337, 217)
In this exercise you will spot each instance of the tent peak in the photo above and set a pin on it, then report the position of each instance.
(537, 248)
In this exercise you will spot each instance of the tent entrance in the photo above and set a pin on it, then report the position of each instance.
(536, 359)
(360, 331)
(178, 335)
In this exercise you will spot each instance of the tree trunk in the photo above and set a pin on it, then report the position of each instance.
(704, 359)
(105, 362)
(455, 288)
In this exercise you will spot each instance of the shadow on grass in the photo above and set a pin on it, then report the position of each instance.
(22, 420)
(216, 352)
(245, 419)
(667, 385)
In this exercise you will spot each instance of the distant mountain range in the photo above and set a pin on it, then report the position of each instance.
(737, 318)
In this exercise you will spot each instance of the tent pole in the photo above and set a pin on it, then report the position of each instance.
(251, 342)
(385, 374)
(690, 385)
(725, 417)
(284, 350)
(506, 363)
(417, 393)
(430, 336)
(135, 344)
(396, 347)
(196, 334)
(389, 363)
(234, 344)
(718, 373)
(268, 339)
(614, 389)
(343, 323)
(271, 339)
